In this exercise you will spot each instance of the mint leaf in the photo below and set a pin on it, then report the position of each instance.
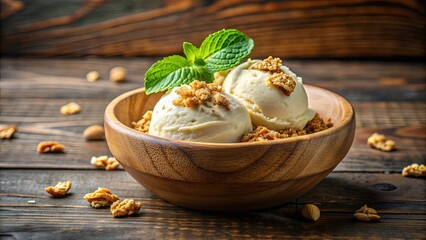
(225, 49)
(219, 51)
(171, 72)
(190, 51)
(158, 76)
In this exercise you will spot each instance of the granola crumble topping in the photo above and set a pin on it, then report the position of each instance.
(143, 124)
(277, 78)
(200, 92)
(269, 64)
(261, 133)
(282, 81)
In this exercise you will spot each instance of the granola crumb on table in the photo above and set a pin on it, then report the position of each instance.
(102, 197)
(143, 124)
(7, 132)
(59, 190)
(125, 208)
(414, 170)
(105, 162)
(50, 147)
(380, 142)
(70, 108)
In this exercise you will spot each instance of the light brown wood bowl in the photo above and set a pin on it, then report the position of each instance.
(229, 176)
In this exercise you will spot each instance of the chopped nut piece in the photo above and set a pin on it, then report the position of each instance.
(117, 74)
(59, 190)
(94, 132)
(7, 132)
(219, 77)
(105, 162)
(269, 64)
(366, 214)
(92, 76)
(282, 81)
(311, 212)
(125, 208)
(50, 147)
(414, 170)
(102, 197)
(379, 141)
(70, 108)
(200, 92)
(143, 124)
(262, 133)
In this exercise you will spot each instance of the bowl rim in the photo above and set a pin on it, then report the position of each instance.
(117, 124)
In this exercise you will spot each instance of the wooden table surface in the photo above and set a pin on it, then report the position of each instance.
(388, 98)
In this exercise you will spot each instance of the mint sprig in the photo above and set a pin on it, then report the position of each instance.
(219, 51)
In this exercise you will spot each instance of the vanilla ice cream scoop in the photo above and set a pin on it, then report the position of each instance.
(205, 122)
(267, 104)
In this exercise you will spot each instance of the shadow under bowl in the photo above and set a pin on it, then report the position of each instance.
(229, 176)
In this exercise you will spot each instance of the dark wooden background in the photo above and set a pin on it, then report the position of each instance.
(290, 29)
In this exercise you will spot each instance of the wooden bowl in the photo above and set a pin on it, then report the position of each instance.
(229, 176)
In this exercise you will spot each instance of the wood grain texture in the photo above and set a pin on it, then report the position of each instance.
(388, 97)
(349, 28)
(402, 210)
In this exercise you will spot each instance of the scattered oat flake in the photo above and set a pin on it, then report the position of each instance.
(380, 142)
(125, 208)
(6, 132)
(414, 170)
(70, 108)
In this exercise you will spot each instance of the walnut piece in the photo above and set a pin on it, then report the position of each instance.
(105, 162)
(261, 133)
(92, 76)
(125, 208)
(102, 197)
(70, 108)
(199, 92)
(380, 142)
(7, 132)
(414, 170)
(366, 214)
(282, 81)
(59, 190)
(269, 64)
(117, 74)
(143, 124)
(50, 147)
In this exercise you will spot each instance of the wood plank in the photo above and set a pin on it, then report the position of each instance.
(403, 210)
(350, 28)
(59, 78)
